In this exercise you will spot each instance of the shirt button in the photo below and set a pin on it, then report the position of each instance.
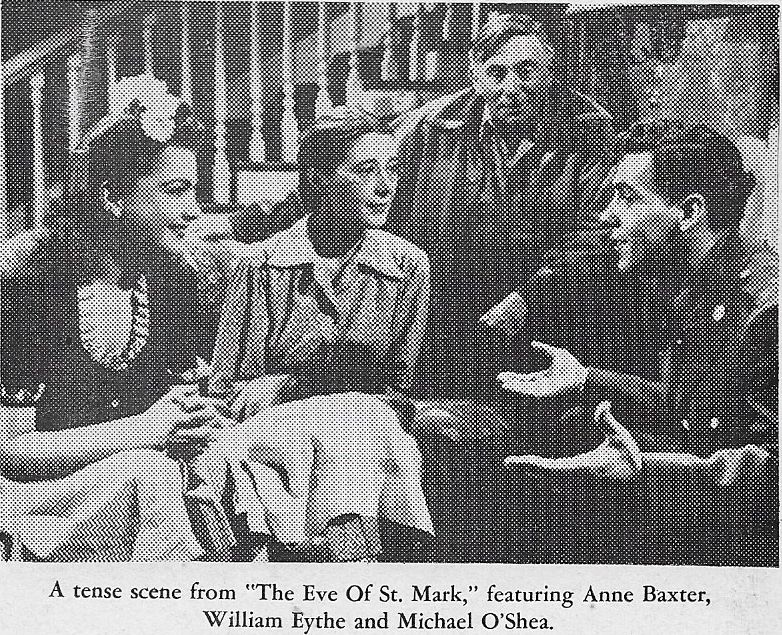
(115, 403)
(714, 423)
(685, 424)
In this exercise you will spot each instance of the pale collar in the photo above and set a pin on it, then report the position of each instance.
(292, 247)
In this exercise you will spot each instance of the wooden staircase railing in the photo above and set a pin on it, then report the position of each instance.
(328, 54)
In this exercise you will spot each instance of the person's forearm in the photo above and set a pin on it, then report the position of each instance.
(673, 461)
(46, 455)
(637, 402)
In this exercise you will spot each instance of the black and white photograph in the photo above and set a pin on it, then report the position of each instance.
(383, 282)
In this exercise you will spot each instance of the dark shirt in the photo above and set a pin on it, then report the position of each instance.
(41, 342)
(718, 383)
(486, 218)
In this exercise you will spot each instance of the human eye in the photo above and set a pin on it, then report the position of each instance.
(393, 166)
(177, 187)
(497, 72)
(525, 69)
(625, 195)
(365, 168)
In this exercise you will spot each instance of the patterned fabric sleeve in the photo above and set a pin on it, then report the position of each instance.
(414, 314)
(245, 296)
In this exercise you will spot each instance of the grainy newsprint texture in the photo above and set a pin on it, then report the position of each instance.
(389, 282)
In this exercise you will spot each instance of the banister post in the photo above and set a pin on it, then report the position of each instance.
(257, 144)
(289, 128)
(149, 24)
(186, 91)
(323, 102)
(353, 88)
(37, 83)
(221, 172)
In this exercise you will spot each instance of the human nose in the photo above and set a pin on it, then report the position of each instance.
(609, 218)
(385, 182)
(191, 210)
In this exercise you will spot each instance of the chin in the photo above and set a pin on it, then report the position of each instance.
(623, 265)
(375, 221)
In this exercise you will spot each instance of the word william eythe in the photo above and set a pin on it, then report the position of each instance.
(510, 618)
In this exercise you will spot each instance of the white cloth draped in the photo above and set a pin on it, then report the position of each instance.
(337, 454)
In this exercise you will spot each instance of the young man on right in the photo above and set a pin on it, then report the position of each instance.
(709, 426)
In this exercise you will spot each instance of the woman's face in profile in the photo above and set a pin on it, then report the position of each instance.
(163, 203)
(363, 187)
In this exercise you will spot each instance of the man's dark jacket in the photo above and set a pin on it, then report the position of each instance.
(479, 252)
(719, 379)
(718, 389)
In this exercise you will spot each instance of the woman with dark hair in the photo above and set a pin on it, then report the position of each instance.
(98, 325)
(327, 314)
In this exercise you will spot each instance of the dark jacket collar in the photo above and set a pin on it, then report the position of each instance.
(721, 265)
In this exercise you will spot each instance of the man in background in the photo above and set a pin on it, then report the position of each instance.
(492, 177)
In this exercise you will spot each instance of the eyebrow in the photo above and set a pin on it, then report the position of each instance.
(521, 64)
(625, 189)
(374, 161)
(173, 182)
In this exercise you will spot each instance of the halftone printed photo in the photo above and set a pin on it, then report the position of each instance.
(386, 282)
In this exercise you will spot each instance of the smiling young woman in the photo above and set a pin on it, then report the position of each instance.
(99, 322)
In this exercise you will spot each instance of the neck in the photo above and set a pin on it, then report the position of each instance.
(330, 237)
(698, 246)
(681, 262)
(114, 266)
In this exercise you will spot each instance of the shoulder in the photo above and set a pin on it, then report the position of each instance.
(759, 277)
(26, 255)
(282, 249)
(438, 110)
(583, 108)
(582, 125)
(31, 289)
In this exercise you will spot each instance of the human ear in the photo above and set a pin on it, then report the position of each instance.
(111, 203)
(693, 210)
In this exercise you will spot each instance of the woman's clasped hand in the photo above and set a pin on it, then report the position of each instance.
(181, 417)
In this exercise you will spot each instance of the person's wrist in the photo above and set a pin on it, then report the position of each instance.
(139, 436)
(576, 388)
(581, 381)
(146, 434)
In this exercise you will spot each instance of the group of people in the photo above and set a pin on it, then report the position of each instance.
(356, 387)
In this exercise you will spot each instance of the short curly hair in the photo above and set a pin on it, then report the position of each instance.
(690, 159)
(500, 28)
